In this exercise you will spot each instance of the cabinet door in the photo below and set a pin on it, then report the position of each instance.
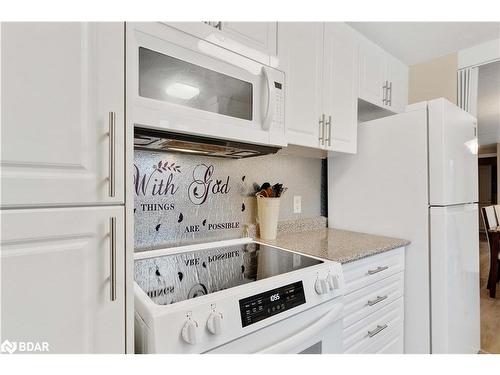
(56, 279)
(256, 40)
(258, 35)
(60, 82)
(340, 87)
(397, 75)
(300, 53)
(371, 73)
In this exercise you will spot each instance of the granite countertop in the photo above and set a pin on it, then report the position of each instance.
(334, 244)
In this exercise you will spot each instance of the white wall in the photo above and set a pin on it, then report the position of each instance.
(433, 79)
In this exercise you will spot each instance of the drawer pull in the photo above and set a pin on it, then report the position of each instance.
(377, 270)
(377, 330)
(376, 300)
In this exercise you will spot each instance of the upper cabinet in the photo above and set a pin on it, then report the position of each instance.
(320, 65)
(397, 76)
(340, 89)
(383, 80)
(300, 53)
(63, 104)
(256, 40)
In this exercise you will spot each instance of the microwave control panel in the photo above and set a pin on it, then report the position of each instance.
(264, 305)
(278, 120)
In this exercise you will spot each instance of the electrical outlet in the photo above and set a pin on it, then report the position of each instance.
(297, 204)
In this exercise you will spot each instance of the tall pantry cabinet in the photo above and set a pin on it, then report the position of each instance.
(62, 172)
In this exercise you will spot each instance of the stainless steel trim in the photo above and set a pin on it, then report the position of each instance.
(112, 156)
(112, 260)
(322, 129)
(377, 330)
(376, 300)
(377, 270)
(389, 89)
(329, 124)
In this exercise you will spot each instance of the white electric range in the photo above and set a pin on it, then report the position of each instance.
(236, 296)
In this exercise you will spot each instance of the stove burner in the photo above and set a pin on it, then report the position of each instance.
(197, 290)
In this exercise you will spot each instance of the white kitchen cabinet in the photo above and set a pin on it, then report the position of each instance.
(57, 278)
(373, 318)
(319, 61)
(383, 80)
(340, 89)
(256, 40)
(372, 87)
(258, 35)
(62, 91)
(397, 76)
(300, 53)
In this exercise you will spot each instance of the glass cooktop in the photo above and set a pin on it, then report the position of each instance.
(173, 278)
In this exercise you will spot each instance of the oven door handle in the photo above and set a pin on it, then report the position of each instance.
(271, 99)
(292, 342)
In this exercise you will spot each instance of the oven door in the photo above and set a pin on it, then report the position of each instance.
(180, 83)
(314, 331)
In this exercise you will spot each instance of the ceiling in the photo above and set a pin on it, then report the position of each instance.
(488, 104)
(415, 42)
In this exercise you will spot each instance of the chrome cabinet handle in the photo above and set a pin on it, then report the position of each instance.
(384, 95)
(377, 270)
(111, 123)
(329, 124)
(376, 300)
(389, 89)
(112, 260)
(377, 330)
(214, 24)
(322, 129)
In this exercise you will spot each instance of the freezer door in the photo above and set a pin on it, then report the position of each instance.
(452, 154)
(455, 279)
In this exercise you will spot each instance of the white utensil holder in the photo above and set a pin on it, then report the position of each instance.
(268, 213)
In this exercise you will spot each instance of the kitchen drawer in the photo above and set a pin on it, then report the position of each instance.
(392, 342)
(361, 273)
(363, 302)
(363, 335)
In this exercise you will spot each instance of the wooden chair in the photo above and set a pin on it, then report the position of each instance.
(496, 207)
(491, 221)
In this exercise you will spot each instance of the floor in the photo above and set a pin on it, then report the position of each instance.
(490, 307)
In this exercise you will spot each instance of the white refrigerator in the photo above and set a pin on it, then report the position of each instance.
(415, 176)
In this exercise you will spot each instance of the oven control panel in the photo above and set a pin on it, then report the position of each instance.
(264, 305)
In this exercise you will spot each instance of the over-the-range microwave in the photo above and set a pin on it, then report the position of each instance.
(184, 84)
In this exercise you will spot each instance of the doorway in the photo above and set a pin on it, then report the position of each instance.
(488, 117)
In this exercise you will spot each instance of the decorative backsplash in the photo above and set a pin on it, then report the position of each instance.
(182, 199)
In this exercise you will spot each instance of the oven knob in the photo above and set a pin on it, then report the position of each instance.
(321, 286)
(333, 282)
(214, 323)
(190, 332)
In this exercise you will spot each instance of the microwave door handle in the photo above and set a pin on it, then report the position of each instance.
(271, 99)
(292, 342)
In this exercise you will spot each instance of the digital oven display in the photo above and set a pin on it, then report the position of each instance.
(264, 305)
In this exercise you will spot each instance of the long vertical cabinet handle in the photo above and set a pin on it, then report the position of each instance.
(322, 129)
(384, 93)
(329, 124)
(112, 259)
(112, 153)
(389, 89)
